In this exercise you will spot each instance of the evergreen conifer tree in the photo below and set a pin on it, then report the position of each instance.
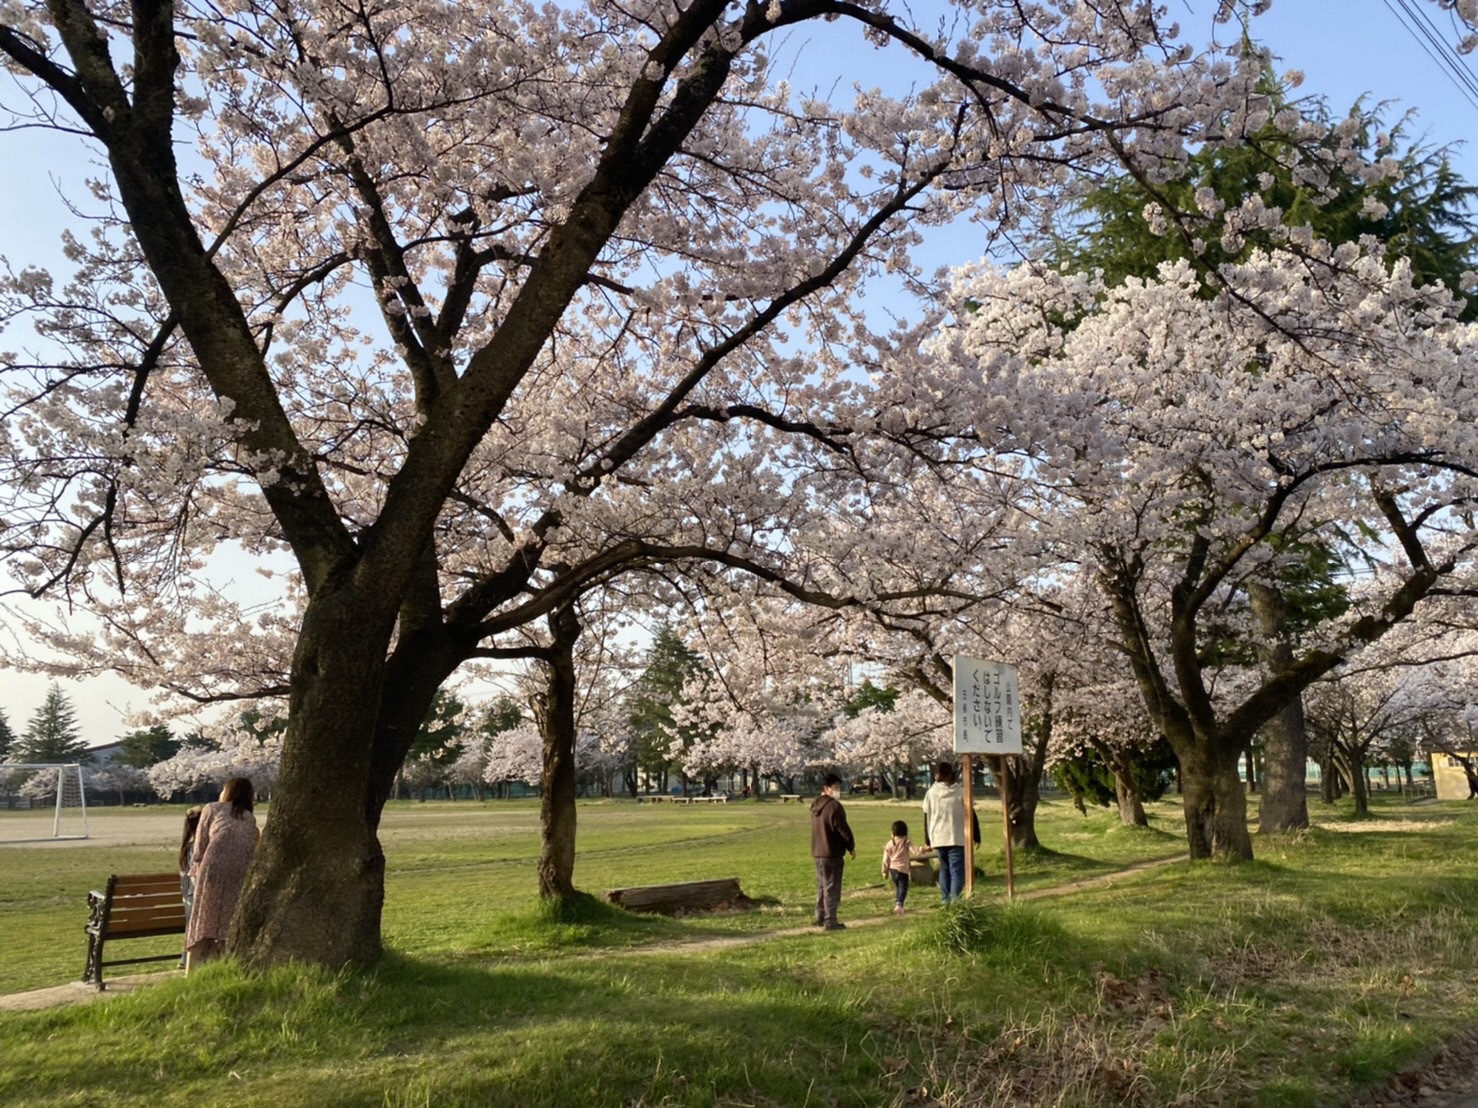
(52, 734)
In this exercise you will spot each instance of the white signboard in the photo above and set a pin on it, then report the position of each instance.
(987, 707)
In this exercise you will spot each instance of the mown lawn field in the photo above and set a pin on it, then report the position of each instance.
(1341, 957)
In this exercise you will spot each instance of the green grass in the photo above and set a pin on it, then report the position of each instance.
(1341, 957)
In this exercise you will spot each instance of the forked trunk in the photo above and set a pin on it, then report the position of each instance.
(1215, 805)
(1026, 775)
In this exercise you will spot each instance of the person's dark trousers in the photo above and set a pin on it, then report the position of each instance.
(828, 888)
(951, 872)
(900, 887)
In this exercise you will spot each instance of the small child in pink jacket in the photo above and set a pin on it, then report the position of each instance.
(897, 856)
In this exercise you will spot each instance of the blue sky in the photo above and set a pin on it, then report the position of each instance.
(1345, 49)
(1356, 48)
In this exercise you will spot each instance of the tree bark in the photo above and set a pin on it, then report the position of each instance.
(1212, 798)
(555, 711)
(1026, 779)
(1126, 793)
(321, 846)
(1359, 783)
(1329, 790)
(1215, 805)
(1285, 803)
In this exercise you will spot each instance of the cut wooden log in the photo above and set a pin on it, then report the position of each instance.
(920, 872)
(680, 897)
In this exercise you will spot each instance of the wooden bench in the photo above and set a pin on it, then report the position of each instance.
(786, 798)
(134, 906)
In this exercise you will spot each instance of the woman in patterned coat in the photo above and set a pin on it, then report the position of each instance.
(224, 844)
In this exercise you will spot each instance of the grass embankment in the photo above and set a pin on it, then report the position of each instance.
(1338, 958)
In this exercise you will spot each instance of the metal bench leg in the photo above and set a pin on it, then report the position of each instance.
(94, 970)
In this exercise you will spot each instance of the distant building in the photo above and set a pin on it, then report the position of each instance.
(1451, 776)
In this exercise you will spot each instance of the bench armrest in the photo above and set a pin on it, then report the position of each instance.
(97, 909)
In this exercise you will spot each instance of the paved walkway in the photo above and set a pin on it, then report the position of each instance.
(77, 992)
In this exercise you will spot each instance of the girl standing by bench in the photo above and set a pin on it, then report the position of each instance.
(224, 844)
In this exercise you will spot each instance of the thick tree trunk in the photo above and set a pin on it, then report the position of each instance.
(1285, 799)
(316, 887)
(1131, 805)
(1025, 779)
(1215, 804)
(556, 715)
(1285, 744)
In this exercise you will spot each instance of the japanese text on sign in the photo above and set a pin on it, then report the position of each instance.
(987, 707)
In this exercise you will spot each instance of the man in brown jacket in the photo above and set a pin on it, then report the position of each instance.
(831, 838)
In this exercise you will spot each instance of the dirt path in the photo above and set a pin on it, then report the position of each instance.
(724, 942)
(75, 992)
(1446, 1081)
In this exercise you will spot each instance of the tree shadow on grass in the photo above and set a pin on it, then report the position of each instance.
(412, 1031)
(1044, 866)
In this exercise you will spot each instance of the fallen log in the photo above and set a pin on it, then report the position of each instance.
(681, 897)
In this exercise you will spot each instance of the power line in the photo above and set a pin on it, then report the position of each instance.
(1414, 18)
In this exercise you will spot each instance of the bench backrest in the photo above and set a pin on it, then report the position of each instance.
(143, 904)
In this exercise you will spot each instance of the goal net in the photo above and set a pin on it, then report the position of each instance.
(41, 801)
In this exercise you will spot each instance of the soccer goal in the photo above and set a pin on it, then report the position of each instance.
(29, 791)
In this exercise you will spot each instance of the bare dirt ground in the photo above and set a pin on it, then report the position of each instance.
(105, 827)
(1450, 1080)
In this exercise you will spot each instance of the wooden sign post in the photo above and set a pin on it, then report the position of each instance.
(969, 826)
(987, 721)
(1003, 782)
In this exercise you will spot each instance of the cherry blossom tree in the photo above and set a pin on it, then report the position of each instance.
(1182, 431)
(915, 729)
(1106, 726)
(1371, 183)
(578, 720)
(198, 767)
(118, 778)
(516, 754)
(763, 700)
(454, 309)
(1409, 686)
